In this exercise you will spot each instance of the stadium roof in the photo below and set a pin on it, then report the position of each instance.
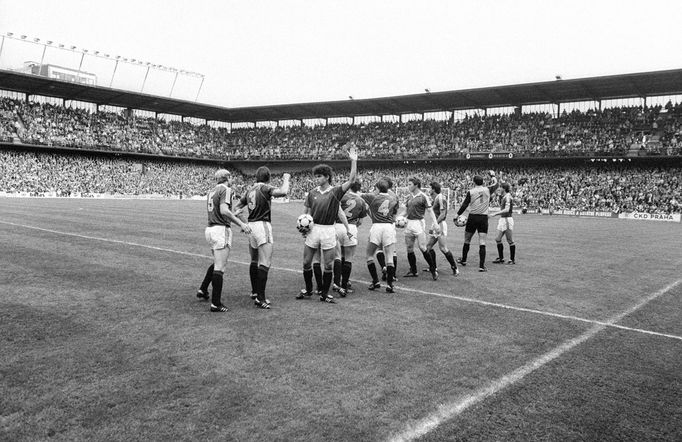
(561, 91)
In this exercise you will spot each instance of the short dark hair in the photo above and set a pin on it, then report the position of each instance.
(416, 181)
(262, 175)
(323, 169)
(389, 182)
(435, 186)
(356, 186)
(478, 180)
(506, 187)
(382, 185)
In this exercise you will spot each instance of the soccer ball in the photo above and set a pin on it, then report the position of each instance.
(304, 223)
(461, 221)
(400, 222)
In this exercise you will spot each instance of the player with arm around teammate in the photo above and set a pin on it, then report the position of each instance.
(353, 209)
(382, 207)
(505, 226)
(323, 203)
(258, 199)
(478, 202)
(440, 209)
(418, 204)
(219, 237)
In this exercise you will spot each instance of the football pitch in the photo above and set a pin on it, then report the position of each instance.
(102, 337)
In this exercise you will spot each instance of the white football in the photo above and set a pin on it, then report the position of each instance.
(304, 223)
(400, 221)
(461, 221)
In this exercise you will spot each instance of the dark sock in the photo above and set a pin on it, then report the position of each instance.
(465, 252)
(262, 281)
(481, 256)
(207, 279)
(217, 281)
(512, 251)
(427, 258)
(326, 281)
(308, 278)
(373, 271)
(253, 274)
(347, 267)
(433, 258)
(337, 272)
(412, 260)
(317, 271)
(500, 250)
(381, 259)
(451, 259)
(390, 275)
(395, 263)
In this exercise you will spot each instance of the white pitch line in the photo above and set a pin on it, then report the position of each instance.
(398, 287)
(449, 411)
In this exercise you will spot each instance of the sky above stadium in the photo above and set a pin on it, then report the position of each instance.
(270, 52)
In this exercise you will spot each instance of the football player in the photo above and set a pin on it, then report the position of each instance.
(353, 209)
(440, 209)
(418, 204)
(219, 237)
(505, 226)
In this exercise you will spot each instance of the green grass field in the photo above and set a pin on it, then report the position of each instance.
(102, 337)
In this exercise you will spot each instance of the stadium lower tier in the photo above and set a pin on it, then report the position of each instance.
(601, 186)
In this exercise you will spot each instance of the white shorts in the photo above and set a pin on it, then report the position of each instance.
(218, 237)
(342, 236)
(443, 230)
(382, 234)
(415, 227)
(261, 233)
(321, 236)
(505, 224)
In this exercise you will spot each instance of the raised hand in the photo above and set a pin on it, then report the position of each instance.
(353, 153)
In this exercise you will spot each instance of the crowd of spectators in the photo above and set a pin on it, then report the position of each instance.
(652, 130)
(602, 186)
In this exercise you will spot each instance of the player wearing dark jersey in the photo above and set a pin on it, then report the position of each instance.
(440, 209)
(381, 258)
(478, 202)
(353, 209)
(258, 200)
(219, 237)
(417, 205)
(323, 204)
(382, 208)
(505, 226)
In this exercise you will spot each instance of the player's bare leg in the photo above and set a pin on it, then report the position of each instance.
(512, 247)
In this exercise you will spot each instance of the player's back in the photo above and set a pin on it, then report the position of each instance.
(354, 207)
(221, 193)
(382, 206)
(258, 199)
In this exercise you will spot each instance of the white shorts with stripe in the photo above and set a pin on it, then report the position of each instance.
(218, 237)
(415, 227)
(505, 224)
(342, 235)
(382, 234)
(261, 233)
(321, 236)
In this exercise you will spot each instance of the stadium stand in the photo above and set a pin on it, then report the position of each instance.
(619, 131)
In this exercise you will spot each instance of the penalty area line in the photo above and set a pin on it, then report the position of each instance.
(398, 287)
(450, 411)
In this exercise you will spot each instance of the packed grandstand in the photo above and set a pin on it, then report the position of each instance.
(586, 160)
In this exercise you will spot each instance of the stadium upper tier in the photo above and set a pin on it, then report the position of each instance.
(609, 132)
